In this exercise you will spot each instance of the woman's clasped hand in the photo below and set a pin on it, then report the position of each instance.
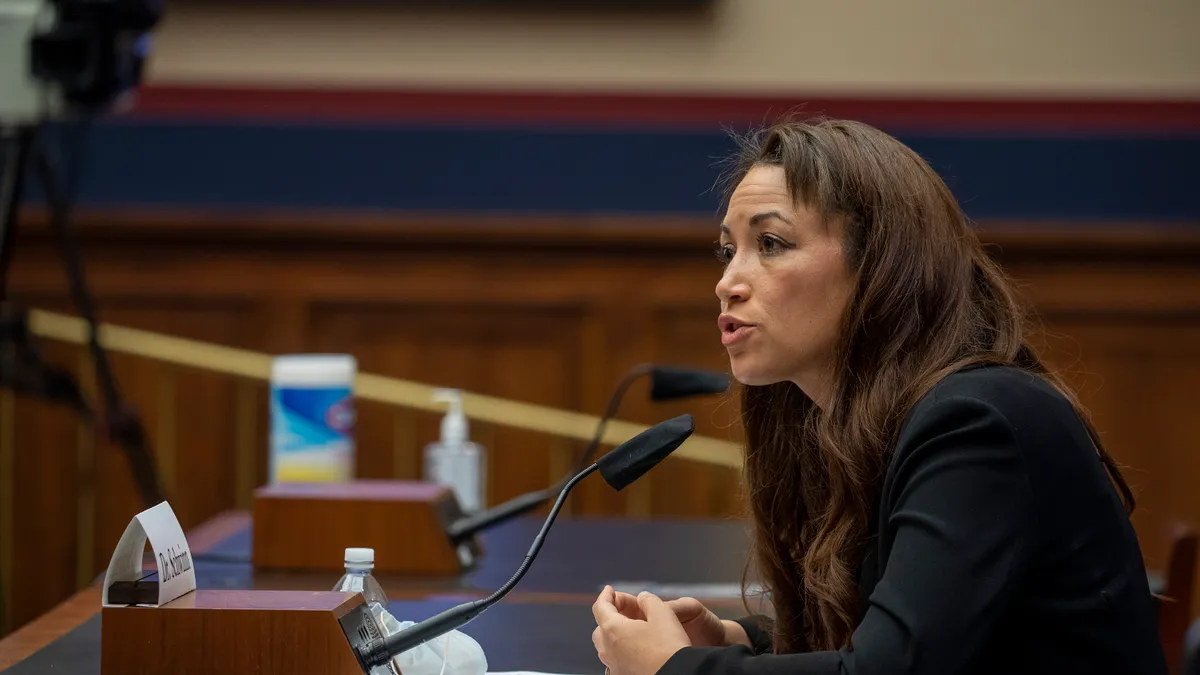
(638, 635)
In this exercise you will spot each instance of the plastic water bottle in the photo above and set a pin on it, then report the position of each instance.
(312, 418)
(358, 577)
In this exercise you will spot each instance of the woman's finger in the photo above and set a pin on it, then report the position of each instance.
(604, 598)
(654, 608)
(686, 608)
(627, 605)
(603, 609)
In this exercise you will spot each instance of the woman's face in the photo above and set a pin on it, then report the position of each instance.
(784, 289)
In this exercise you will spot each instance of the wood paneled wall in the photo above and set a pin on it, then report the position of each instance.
(540, 310)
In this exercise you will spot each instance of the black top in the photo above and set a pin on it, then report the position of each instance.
(1000, 546)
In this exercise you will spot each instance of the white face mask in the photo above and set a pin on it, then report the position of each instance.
(454, 653)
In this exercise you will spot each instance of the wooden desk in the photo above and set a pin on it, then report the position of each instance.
(86, 603)
(544, 625)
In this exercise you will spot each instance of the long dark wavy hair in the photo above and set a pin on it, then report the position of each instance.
(927, 301)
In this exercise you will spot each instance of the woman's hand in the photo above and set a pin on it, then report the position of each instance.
(635, 636)
(705, 629)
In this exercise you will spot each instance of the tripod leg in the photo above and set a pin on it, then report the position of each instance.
(122, 423)
(12, 182)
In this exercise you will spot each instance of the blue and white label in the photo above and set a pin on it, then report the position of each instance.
(312, 434)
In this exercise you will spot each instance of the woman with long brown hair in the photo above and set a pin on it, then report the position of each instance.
(925, 496)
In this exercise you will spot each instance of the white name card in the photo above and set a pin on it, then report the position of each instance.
(171, 554)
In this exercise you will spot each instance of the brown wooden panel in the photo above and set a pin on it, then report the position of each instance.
(530, 355)
(44, 514)
(188, 415)
(223, 631)
(617, 337)
(682, 488)
(538, 310)
(1138, 376)
(74, 492)
(302, 527)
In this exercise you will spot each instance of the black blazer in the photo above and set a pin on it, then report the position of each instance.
(999, 546)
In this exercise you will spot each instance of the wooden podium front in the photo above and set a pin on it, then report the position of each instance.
(308, 526)
(234, 633)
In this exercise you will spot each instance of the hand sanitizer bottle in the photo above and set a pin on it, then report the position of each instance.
(454, 460)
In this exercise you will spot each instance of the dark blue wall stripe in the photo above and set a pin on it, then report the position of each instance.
(572, 171)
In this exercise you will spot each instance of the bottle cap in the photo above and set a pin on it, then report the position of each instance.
(360, 557)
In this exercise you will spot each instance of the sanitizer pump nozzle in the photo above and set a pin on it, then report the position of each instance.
(454, 423)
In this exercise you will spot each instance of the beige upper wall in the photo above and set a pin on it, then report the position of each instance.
(1126, 48)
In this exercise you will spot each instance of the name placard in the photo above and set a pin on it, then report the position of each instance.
(172, 556)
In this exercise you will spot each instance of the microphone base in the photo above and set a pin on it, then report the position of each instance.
(308, 526)
(238, 632)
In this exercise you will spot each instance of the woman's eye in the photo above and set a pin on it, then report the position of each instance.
(771, 244)
(724, 253)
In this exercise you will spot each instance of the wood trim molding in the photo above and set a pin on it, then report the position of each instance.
(687, 232)
(393, 391)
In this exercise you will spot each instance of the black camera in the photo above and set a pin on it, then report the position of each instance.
(94, 50)
(71, 58)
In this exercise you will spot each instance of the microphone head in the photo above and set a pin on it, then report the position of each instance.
(633, 458)
(668, 383)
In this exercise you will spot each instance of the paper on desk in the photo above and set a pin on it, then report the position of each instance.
(704, 591)
(171, 554)
(528, 673)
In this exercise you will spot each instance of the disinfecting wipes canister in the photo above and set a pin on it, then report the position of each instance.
(312, 418)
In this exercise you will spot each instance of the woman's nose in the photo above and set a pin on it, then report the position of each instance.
(732, 287)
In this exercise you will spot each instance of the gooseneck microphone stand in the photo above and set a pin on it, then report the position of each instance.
(21, 367)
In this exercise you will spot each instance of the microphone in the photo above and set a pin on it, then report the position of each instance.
(667, 383)
(631, 460)
(620, 467)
